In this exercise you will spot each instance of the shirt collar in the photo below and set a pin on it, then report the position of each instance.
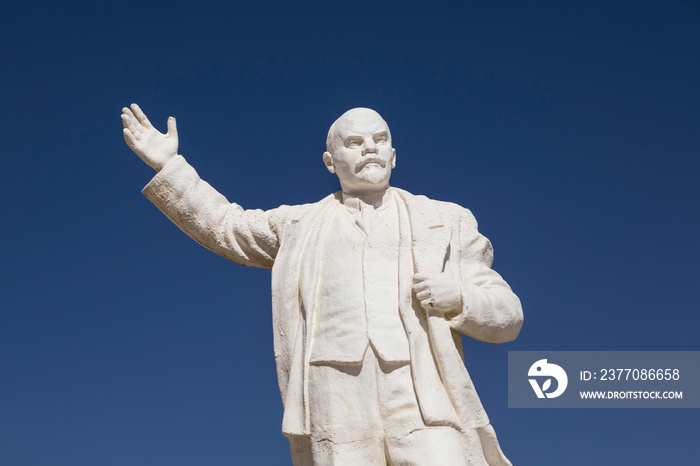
(354, 204)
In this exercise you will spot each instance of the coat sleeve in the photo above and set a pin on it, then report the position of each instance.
(491, 312)
(248, 237)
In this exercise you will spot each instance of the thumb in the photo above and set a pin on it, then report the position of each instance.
(172, 127)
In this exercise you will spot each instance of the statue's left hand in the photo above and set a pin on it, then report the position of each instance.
(438, 291)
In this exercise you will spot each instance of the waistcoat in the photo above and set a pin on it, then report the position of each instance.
(358, 292)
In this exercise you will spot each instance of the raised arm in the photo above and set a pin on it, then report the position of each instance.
(247, 237)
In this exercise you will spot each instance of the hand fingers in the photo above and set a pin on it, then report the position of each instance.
(129, 138)
(429, 304)
(425, 294)
(172, 127)
(418, 287)
(140, 116)
(130, 121)
(127, 116)
(419, 277)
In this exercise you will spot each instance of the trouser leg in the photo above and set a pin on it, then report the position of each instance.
(366, 452)
(346, 427)
(368, 415)
(430, 446)
(408, 441)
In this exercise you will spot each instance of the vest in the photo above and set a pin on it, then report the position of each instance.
(358, 296)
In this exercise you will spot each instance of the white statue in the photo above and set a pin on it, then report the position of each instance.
(372, 288)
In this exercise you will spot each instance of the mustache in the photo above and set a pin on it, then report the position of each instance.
(364, 163)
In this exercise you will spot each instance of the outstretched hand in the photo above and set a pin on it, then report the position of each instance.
(438, 291)
(153, 147)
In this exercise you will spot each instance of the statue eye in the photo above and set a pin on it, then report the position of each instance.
(381, 138)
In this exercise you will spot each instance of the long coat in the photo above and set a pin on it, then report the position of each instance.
(434, 236)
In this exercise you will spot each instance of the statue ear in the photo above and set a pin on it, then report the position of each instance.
(328, 160)
(393, 159)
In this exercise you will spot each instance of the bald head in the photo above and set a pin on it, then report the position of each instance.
(359, 151)
(350, 119)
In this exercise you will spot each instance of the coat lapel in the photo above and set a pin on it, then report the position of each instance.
(424, 243)
(294, 286)
(430, 236)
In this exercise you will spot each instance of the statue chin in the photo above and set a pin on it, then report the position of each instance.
(372, 178)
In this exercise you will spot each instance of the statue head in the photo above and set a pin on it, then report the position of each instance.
(359, 151)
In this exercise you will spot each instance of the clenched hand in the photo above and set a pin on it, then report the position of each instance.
(438, 291)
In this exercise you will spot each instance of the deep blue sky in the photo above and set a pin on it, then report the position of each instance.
(570, 129)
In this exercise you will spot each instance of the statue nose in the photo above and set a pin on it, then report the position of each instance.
(370, 147)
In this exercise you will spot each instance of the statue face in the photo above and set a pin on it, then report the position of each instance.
(362, 154)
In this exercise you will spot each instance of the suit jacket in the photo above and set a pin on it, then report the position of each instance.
(434, 236)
